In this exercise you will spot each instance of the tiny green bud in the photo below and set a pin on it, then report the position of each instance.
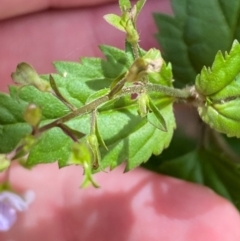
(154, 65)
(32, 115)
(92, 140)
(137, 70)
(143, 103)
(25, 74)
(4, 162)
(154, 60)
(80, 154)
(28, 141)
(88, 179)
(132, 34)
(94, 145)
(24, 147)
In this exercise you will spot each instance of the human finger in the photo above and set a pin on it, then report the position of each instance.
(20, 7)
(139, 205)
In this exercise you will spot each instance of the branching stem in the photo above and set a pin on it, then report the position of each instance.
(82, 110)
(138, 89)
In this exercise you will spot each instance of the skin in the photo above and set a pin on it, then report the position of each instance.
(138, 205)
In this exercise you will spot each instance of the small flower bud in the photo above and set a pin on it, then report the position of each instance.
(32, 115)
(81, 153)
(153, 60)
(25, 74)
(137, 70)
(143, 105)
(154, 65)
(132, 34)
(94, 145)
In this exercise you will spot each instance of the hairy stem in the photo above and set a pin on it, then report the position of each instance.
(183, 94)
(135, 48)
(138, 89)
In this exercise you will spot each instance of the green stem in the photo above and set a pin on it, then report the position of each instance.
(82, 110)
(135, 48)
(93, 122)
(138, 89)
(168, 91)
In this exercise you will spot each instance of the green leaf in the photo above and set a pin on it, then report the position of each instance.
(52, 146)
(140, 4)
(230, 92)
(220, 86)
(191, 38)
(117, 85)
(57, 93)
(223, 71)
(127, 136)
(99, 137)
(115, 21)
(208, 168)
(12, 124)
(133, 138)
(181, 144)
(152, 54)
(155, 117)
(117, 61)
(223, 117)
